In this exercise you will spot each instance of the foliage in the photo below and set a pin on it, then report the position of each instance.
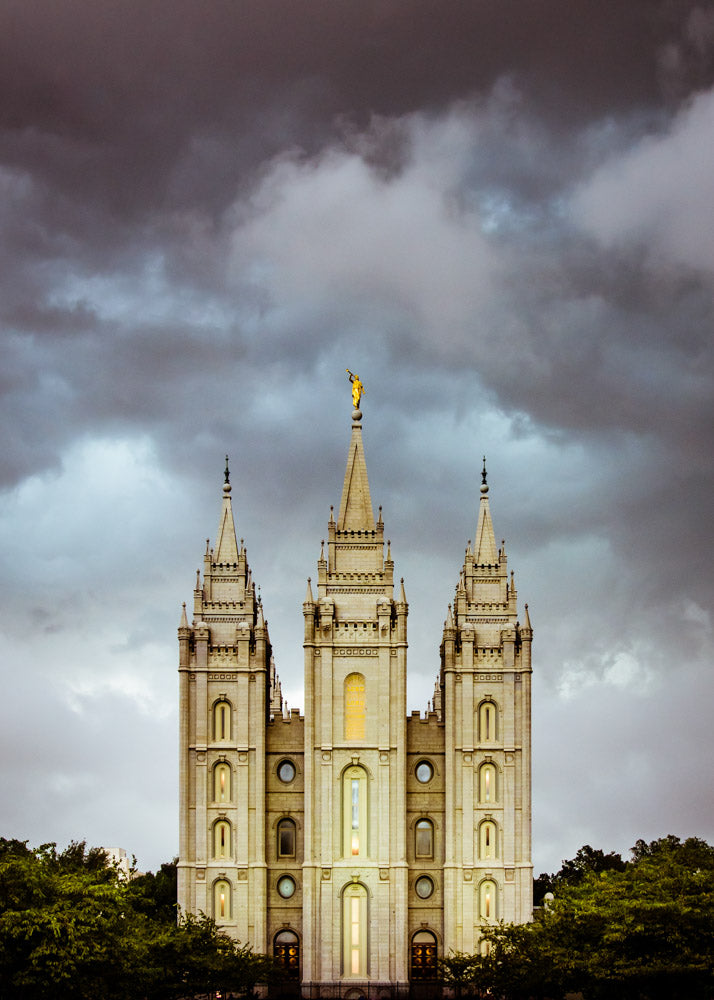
(72, 926)
(636, 930)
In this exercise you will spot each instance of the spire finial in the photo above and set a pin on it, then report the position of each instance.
(227, 482)
(484, 482)
(357, 393)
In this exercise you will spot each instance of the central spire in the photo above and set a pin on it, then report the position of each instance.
(356, 512)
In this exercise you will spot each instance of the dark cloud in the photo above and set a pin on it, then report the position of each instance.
(500, 215)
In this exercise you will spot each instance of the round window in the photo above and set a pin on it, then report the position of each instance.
(424, 887)
(424, 771)
(286, 771)
(286, 886)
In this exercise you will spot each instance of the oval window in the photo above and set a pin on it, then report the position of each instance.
(286, 771)
(424, 887)
(424, 771)
(286, 886)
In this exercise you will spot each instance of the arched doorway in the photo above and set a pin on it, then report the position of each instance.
(424, 956)
(286, 951)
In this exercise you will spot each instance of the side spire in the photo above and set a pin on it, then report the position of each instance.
(226, 543)
(356, 505)
(485, 551)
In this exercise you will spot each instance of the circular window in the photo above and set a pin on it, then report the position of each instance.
(286, 886)
(286, 771)
(424, 887)
(424, 771)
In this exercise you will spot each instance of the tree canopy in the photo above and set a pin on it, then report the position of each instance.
(641, 929)
(71, 925)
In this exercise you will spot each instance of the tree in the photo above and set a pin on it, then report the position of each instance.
(72, 926)
(641, 929)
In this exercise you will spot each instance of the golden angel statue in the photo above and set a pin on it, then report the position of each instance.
(357, 388)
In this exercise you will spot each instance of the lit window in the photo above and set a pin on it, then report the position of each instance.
(222, 900)
(487, 722)
(487, 901)
(488, 840)
(424, 839)
(355, 709)
(354, 813)
(354, 923)
(221, 783)
(222, 720)
(487, 783)
(222, 839)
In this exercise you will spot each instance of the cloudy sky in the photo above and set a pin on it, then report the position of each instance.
(500, 213)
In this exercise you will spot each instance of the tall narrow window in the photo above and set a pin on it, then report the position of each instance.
(222, 839)
(222, 720)
(222, 782)
(424, 839)
(354, 813)
(487, 901)
(424, 956)
(354, 931)
(487, 722)
(286, 951)
(355, 710)
(488, 840)
(487, 783)
(222, 900)
(286, 838)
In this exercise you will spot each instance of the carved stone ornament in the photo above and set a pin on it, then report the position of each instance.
(384, 874)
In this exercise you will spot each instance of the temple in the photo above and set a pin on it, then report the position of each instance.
(356, 843)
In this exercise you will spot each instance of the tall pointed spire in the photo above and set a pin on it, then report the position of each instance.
(356, 512)
(485, 552)
(226, 543)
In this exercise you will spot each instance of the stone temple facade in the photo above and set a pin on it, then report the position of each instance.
(355, 843)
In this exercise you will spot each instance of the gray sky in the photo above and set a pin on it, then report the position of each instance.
(501, 215)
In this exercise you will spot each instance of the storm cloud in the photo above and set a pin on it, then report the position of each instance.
(498, 214)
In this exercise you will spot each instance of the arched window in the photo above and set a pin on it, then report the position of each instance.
(222, 900)
(286, 951)
(487, 840)
(487, 902)
(355, 711)
(221, 839)
(222, 720)
(222, 782)
(487, 791)
(286, 838)
(487, 722)
(354, 931)
(424, 839)
(424, 956)
(355, 834)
